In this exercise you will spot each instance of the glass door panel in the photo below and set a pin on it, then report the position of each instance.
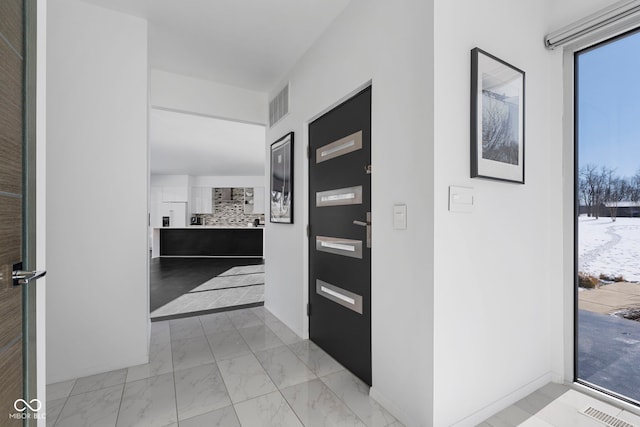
(608, 217)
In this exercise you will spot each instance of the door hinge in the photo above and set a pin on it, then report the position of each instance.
(367, 169)
(308, 152)
(308, 310)
(308, 230)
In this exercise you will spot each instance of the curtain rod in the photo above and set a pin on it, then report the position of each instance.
(602, 20)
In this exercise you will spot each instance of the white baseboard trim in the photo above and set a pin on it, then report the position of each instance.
(502, 403)
(391, 407)
(86, 371)
(558, 378)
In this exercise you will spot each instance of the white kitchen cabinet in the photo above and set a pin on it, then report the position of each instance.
(201, 200)
(248, 201)
(175, 194)
(254, 200)
(258, 200)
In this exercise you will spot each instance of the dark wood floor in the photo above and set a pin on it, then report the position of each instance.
(171, 277)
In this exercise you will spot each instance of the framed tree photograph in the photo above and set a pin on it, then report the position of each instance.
(282, 180)
(497, 118)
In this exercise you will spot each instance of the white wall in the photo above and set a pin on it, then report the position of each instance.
(503, 308)
(389, 43)
(192, 95)
(97, 177)
(562, 13)
(493, 269)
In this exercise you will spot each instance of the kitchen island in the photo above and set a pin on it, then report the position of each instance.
(207, 241)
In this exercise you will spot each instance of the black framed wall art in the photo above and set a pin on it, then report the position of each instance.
(497, 118)
(281, 210)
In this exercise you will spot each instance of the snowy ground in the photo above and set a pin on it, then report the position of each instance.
(612, 248)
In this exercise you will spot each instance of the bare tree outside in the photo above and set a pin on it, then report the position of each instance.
(583, 191)
(616, 189)
(634, 188)
(600, 187)
(591, 184)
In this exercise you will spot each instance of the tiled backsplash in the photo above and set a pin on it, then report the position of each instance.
(230, 213)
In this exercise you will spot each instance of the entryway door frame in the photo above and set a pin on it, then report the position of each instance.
(305, 203)
(33, 195)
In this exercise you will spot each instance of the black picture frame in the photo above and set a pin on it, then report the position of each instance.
(281, 189)
(497, 118)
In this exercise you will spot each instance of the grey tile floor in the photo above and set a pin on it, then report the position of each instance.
(558, 406)
(237, 368)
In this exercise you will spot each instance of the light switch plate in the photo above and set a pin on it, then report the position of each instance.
(400, 217)
(461, 199)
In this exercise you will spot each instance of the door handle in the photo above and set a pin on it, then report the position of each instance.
(366, 224)
(21, 277)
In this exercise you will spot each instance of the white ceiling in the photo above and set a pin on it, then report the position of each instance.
(245, 43)
(250, 44)
(187, 144)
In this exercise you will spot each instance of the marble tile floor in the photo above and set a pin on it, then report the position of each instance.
(231, 369)
(556, 405)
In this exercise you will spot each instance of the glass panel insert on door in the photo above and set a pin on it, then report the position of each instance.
(608, 217)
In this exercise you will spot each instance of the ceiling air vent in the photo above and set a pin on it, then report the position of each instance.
(279, 106)
(605, 418)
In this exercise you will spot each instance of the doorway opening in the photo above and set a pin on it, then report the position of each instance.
(206, 214)
(607, 220)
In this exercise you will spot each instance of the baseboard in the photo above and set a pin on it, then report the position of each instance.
(558, 378)
(391, 407)
(502, 403)
(87, 371)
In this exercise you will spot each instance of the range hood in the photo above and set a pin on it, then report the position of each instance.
(227, 194)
